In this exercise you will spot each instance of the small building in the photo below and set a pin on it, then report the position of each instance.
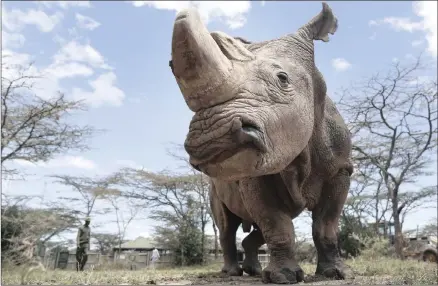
(138, 253)
(140, 244)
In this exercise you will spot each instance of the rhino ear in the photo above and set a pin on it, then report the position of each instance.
(233, 48)
(321, 25)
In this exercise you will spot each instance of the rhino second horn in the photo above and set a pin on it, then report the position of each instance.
(199, 65)
(321, 25)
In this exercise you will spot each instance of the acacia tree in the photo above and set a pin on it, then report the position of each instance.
(365, 201)
(392, 118)
(430, 229)
(89, 191)
(35, 129)
(125, 211)
(105, 242)
(24, 228)
(170, 200)
(201, 188)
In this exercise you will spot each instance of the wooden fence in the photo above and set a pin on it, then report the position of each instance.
(125, 260)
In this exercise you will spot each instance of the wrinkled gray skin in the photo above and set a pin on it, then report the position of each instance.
(269, 138)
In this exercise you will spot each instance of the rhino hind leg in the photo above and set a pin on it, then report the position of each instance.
(325, 217)
(251, 244)
(227, 223)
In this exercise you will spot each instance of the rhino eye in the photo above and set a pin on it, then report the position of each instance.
(282, 76)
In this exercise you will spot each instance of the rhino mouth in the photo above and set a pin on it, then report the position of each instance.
(248, 135)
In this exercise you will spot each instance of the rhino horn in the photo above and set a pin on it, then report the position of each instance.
(320, 26)
(202, 62)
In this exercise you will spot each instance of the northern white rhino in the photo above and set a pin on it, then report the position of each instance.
(269, 138)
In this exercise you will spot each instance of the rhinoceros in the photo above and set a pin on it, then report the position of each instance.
(270, 139)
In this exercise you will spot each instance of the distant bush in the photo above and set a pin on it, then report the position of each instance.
(305, 252)
(377, 247)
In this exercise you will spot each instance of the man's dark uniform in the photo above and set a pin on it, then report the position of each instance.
(82, 245)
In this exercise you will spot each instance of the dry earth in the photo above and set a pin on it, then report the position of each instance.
(381, 271)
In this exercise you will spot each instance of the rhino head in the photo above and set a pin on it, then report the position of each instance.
(256, 104)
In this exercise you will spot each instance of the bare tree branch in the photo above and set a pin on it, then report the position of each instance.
(392, 118)
(34, 129)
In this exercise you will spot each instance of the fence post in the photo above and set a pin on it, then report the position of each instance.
(56, 259)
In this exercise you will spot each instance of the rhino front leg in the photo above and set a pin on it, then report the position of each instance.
(227, 223)
(276, 225)
(251, 244)
(325, 227)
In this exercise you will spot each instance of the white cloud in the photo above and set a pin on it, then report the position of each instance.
(104, 91)
(15, 20)
(129, 164)
(71, 61)
(87, 23)
(69, 70)
(340, 64)
(417, 43)
(373, 36)
(13, 59)
(78, 162)
(65, 4)
(234, 15)
(48, 85)
(398, 24)
(74, 51)
(427, 11)
(12, 40)
(44, 87)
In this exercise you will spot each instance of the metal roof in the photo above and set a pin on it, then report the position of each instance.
(149, 243)
(141, 243)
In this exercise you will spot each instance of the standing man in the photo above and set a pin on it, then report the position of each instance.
(154, 257)
(82, 245)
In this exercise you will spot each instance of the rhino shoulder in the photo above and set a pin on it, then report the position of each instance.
(333, 147)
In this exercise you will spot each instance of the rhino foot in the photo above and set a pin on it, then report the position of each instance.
(232, 270)
(252, 268)
(282, 275)
(338, 271)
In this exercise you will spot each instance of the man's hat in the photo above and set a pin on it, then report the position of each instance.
(87, 218)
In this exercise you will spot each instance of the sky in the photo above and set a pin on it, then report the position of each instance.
(114, 55)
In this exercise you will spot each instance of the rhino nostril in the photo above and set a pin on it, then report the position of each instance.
(251, 133)
(249, 128)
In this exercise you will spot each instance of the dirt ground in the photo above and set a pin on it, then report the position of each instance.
(219, 279)
(375, 271)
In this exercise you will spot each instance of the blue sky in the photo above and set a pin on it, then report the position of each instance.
(115, 56)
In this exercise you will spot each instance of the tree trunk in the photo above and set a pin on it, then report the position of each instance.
(398, 235)
(203, 223)
(216, 245)
(182, 256)
(376, 225)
